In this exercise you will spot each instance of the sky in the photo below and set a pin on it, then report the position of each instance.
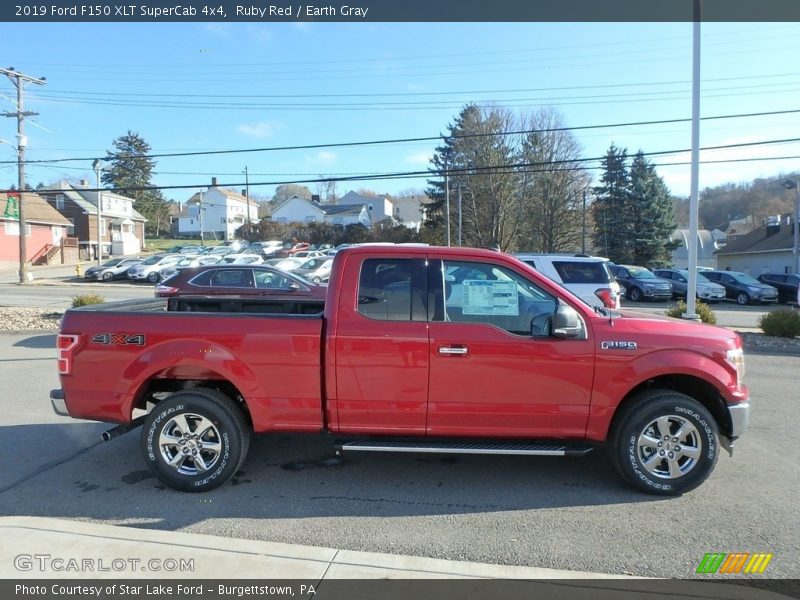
(188, 87)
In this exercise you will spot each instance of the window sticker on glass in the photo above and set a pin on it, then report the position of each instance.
(490, 298)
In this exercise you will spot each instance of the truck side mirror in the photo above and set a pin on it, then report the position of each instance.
(567, 324)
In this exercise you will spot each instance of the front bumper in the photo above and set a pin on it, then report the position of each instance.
(58, 402)
(740, 418)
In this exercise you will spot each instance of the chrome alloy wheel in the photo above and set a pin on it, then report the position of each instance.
(190, 444)
(669, 447)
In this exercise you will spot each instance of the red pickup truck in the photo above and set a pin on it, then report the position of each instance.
(415, 349)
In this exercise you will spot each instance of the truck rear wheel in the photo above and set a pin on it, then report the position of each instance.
(195, 440)
(664, 443)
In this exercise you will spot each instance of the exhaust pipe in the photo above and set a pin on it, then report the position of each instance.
(117, 431)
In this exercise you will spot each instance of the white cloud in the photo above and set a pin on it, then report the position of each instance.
(325, 158)
(419, 158)
(262, 129)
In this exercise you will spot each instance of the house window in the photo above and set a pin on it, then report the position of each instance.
(60, 202)
(71, 227)
(13, 228)
(223, 220)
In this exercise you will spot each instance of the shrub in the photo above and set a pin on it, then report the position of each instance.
(702, 309)
(780, 323)
(86, 299)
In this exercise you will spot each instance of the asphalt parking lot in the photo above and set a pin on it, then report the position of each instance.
(545, 512)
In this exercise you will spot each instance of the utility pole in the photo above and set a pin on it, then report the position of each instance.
(583, 227)
(247, 193)
(459, 214)
(19, 80)
(447, 203)
(200, 212)
(97, 166)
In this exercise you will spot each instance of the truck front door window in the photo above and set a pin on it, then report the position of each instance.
(494, 295)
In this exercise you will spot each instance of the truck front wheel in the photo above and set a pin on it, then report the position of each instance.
(195, 440)
(664, 443)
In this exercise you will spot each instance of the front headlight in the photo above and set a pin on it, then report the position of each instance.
(755, 290)
(735, 358)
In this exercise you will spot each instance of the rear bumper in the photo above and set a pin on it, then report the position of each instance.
(58, 403)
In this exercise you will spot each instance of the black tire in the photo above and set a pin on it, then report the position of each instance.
(154, 277)
(641, 421)
(108, 276)
(635, 294)
(223, 427)
(742, 298)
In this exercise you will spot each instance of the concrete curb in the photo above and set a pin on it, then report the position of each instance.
(229, 557)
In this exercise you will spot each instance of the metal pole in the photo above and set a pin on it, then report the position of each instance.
(583, 227)
(247, 193)
(691, 289)
(201, 218)
(447, 203)
(459, 215)
(96, 165)
(796, 246)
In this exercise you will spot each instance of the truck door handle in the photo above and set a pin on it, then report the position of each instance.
(453, 350)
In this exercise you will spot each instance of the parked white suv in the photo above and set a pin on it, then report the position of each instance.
(587, 277)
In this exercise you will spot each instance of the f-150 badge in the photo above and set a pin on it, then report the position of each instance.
(609, 345)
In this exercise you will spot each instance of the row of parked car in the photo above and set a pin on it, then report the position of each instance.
(600, 282)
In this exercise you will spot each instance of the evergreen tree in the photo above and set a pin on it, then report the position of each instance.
(613, 228)
(491, 211)
(651, 215)
(130, 170)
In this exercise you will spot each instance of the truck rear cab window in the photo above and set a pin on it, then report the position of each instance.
(393, 289)
(475, 292)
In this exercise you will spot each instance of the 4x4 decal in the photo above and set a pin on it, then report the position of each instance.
(119, 339)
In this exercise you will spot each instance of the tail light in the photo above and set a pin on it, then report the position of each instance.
(64, 346)
(608, 297)
(162, 291)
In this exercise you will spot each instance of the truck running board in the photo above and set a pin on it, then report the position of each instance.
(526, 448)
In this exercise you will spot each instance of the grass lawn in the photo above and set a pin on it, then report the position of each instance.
(164, 245)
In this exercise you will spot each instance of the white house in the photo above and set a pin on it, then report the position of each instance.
(300, 210)
(378, 207)
(409, 211)
(217, 212)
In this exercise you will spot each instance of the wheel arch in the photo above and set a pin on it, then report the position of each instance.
(692, 386)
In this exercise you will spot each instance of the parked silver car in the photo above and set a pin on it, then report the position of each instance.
(150, 269)
(679, 278)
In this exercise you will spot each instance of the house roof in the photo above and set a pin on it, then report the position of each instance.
(37, 210)
(343, 210)
(758, 241)
(309, 202)
(87, 200)
(356, 198)
(225, 192)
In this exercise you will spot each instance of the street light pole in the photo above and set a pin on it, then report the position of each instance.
(794, 184)
(97, 166)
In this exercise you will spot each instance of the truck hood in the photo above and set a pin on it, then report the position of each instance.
(658, 331)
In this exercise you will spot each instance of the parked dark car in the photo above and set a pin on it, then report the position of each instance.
(743, 288)
(240, 280)
(786, 284)
(116, 268)
(641, 284)
(679, 278)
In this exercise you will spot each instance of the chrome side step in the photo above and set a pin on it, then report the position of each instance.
(444, 447)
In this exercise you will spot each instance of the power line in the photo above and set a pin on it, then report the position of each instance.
(460, 170)
(419, 139)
